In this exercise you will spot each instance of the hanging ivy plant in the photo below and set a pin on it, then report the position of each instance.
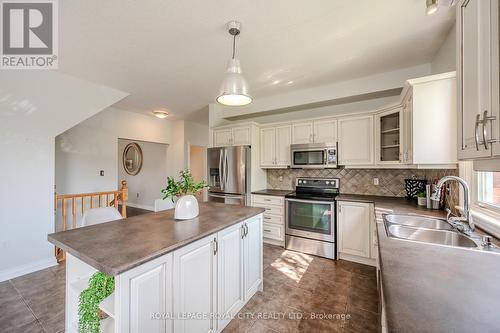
(100, 287)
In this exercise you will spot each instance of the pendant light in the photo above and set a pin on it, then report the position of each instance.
(234, 88)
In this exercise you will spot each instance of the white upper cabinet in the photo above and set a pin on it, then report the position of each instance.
(478, 72)
(267, 147)
(235, 136)
(356, 145)
(318, 131)
(325, 131)
(302, 133)
(275, 146)
(389, 136)
(283, 140)
(223, 137)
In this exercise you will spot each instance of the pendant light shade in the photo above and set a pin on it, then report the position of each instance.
(234, 87)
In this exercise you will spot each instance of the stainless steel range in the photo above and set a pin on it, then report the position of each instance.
(311, 217)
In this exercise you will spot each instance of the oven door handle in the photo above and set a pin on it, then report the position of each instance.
(311, 201)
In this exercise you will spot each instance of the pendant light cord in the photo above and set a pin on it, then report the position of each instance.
(234, 45)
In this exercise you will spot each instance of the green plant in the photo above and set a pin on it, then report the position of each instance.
(185, 185)
(421, 194)
(100, 287)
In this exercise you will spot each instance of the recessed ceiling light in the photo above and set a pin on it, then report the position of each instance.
(160, 114)
(290, 82)
(275, 82)
(431, 6)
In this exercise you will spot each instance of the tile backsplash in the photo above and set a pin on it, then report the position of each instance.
(360, 181)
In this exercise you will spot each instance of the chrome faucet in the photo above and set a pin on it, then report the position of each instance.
(463, 223)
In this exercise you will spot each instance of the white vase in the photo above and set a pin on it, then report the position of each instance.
(186, 207)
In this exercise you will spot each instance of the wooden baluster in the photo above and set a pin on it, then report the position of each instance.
(64, 214)
(83, 204)
(73, 206)
(124, 197)
(91, 202)
(100, 199)
(107, 200)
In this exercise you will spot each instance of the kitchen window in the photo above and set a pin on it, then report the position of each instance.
(488, 189)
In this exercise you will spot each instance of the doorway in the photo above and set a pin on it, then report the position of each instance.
(197, 164)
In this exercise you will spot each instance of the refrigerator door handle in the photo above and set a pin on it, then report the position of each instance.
(221, 173)
(225, 170)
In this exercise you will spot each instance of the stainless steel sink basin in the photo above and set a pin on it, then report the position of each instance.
(443, 237)
(418, 221)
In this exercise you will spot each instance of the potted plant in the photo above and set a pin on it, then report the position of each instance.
(185, 189)
(422, 198)
(100, 287)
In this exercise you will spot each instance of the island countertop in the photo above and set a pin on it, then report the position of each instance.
(117, 246)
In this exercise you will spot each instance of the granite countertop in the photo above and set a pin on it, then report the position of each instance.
(433, 288)
(118, 246)
(276, 193)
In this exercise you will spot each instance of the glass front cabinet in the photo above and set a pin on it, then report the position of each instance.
(389, 136)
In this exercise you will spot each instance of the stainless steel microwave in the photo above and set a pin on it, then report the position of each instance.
(314, 156)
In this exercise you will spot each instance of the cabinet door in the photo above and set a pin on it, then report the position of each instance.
(222, 137)
(253, 256)
(283, 140)
(145, 290)
(325, 131)
(230, 273)
(474, 68)
(302, 133)
(195, 274)
(241, 136)
(267, 147)
(495, 77)
(388, 137)
(356, 141)
(354, 228)
(408, 130)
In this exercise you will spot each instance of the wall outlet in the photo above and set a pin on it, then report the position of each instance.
(101, 173)
(137, 194)
(280, 178)
(375, 181)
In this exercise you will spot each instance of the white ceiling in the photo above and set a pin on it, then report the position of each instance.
(172, 54)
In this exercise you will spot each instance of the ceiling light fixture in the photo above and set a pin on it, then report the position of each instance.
(431, 6)
(234, 88)
(160, 114)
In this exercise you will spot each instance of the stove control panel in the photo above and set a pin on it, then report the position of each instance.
(317, 182)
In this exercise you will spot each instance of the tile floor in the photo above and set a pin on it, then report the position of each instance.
(299, 288)
(295, 286)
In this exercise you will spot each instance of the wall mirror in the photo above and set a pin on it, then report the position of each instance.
(132, 158)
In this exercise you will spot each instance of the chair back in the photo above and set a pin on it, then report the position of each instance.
(161, 204)
(100, 215)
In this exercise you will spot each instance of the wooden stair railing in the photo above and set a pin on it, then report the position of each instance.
(86, 200)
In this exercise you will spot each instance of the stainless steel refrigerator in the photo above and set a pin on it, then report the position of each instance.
(229, 175)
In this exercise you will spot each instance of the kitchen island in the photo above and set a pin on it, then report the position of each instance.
(182, 276)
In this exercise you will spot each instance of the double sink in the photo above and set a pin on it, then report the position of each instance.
(427, 230)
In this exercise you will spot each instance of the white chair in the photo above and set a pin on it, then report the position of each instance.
(161, 204)
(100, 215)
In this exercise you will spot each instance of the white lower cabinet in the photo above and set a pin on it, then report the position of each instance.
(230, 282)
(253, 256)
(145, 294)
(355, 237)
(195, 277)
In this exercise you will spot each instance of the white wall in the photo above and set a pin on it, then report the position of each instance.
(92, 145)
(145, 187)
(35, 106)
(445, 58)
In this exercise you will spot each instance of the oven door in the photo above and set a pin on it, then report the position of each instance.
(310, 219)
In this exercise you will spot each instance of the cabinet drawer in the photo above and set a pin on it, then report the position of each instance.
(273, 231)
(271, 210)
(275, 219)
(261, 200)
